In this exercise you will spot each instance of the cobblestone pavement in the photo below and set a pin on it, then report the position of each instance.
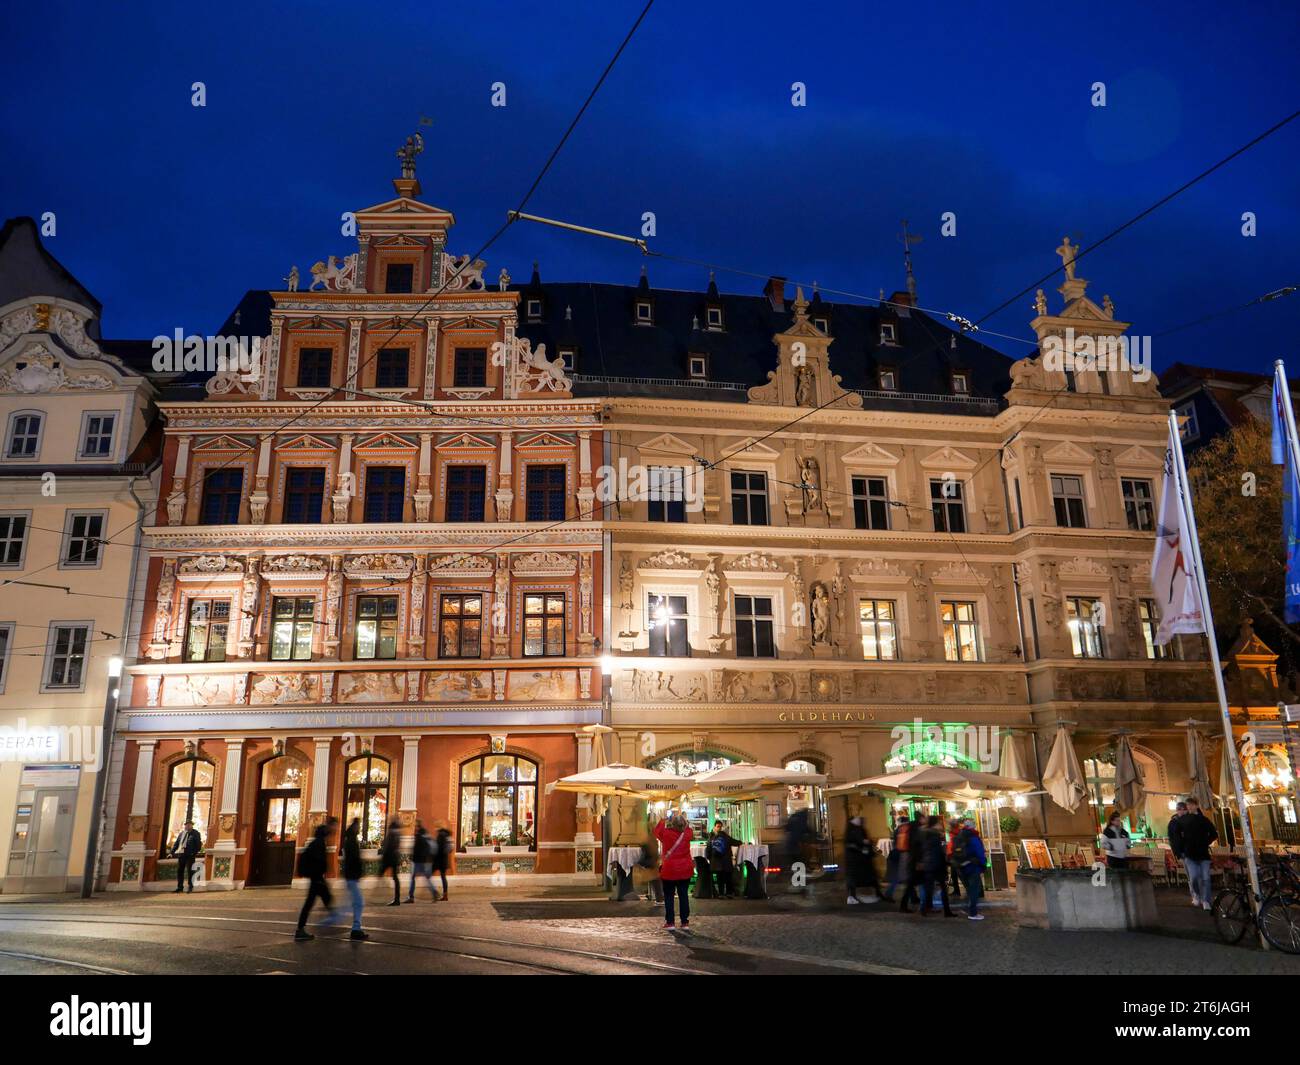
(576, 930)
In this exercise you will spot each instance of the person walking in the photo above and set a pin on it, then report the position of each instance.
(390, 858)
(676, 865)
(422, 861)
(353, 870)
(442, 848)
(897, 865)
(1115, 842)
(933, 860)
(311, 864)
(721, 863)
(969, 859)
(858, 865)
(954, 830)
(1177, 848)
(1198, 835)
(185, 850)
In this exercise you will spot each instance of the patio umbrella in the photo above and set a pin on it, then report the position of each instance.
(1227, 793)
(598, 759)
(746, 779)
(939, 781)
(1129, 790)
(1196, 768)
(1009, 762)
(616, 778)
(1063, 778)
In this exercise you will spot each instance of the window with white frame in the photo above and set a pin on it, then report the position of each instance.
(97, 430)
(888, 333)
(645, 314)
(667, 621)
(888, 381)
(714, 317)
(534, 311)
(208, 626)
(748, 497)
(1067, 498)
(870, 502)
(1139, 504)
(1084, 617)
(948, 505)
(1150, 622)
(24, 435)
(960, 384)
(66, 655)
(83, 535)
(961, 631)
(879, 620)
(755, 626)
(699, 367)
(667, 488)
(1188, 428)
(13, 540)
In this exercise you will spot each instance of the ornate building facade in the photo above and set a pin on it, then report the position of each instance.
(374, 589)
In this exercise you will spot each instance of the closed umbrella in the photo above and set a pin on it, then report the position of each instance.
(1196, 768)
(1009, 762)
(1063, 778)
(1129, 789)
(1227, 793)
(598, 759)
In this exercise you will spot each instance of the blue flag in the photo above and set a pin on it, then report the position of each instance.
(1284, 456)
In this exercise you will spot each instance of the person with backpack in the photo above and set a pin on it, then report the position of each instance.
(1198, 834)
(390, 858)
(676, 865)
(969, 859)
(353, 870)
(421, 861)
(311, 864)
(721, 864)
(442, 848)
(954, 830)
(858, 866)
(900, 871)
(932, 859)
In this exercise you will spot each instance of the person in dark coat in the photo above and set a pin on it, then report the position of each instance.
(442, 847)
(897, 866)
(422, 861)
(390, 858)
(185, 850)
(311, 864)
(721, 863)
(969, 859)
(933, 861)
(1176, 846)
(353, 870)
(798, 833)
(858, 866)
(1198, 834)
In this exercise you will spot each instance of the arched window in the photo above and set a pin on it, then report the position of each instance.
(498, 801)
(189, 798)
(702, 812)
(366, 797)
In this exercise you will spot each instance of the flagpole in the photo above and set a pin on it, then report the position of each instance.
(1283, 390)
(1234, 764)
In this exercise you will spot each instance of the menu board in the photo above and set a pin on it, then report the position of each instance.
(1037, 854)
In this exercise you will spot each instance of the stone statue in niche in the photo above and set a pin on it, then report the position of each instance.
(810, 484)
(820, 609)
(803, 387)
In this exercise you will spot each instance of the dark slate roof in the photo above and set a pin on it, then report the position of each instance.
(27, 269)
(600, 324)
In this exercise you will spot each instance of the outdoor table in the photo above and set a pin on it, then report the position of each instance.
(622, 860)
(756, 854)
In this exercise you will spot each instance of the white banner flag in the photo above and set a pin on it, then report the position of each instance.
(1171, 576)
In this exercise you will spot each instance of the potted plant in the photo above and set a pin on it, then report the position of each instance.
(478, 847)
(514, 846)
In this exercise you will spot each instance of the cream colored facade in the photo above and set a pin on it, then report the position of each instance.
(71, 508)
(1015, 570)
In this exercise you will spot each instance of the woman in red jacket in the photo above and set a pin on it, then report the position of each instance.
(676, 865)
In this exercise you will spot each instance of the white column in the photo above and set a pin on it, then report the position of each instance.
(423, 494)
(505, 480)
(134, 850)
(223, 850)
(410, 771)
(230, 779)
(143, 778)
(176, 500)
(320, 776)
(260, 497)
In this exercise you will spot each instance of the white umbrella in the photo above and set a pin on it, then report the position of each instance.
(744, 779)
(598, 759)
(1129, 789)
(940, 781)
(1063, 778)
(1009, 761)
(617, 778)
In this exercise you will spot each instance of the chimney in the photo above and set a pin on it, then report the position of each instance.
(902, 299)
(774, 290)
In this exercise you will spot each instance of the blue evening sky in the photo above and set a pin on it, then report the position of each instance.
(168, 212)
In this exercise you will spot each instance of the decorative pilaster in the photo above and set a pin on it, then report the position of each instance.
(176, 501)
(354, 353)
(423, 496)
(160, 645)
(586, 637)
(248, 604)
(509, 389)
(320, 781)
(505, 495)
(430, 357)
(261, 497)
(223, 850)
(333, 606)
(133, 852)
(501, 609)
(415, 639)
(342, 499)
(586, 490)
(271, 367)
(363, 262)
(406, 809)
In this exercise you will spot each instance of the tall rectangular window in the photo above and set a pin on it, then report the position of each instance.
(84, 537)
(748, 498)
(961, 632)
(754, 627)
(667, 494)
(205, 636)
(304, 494)
(1139, 504)
(948, 504)
(1150, 621)
(376, 635)
(24, 436)
(399, 277)
(385, 493)
(466, 492)
(315, 366)
(1083, 617)
(392, 368)
(470, 368)
(67, 656)
(1067, 497)
(545, 493)
(293, 620)
(460, 632)
(222, 490)
(879, 632)
(666, 621)
(13, 538)
(870, 503)
(6, 639)
(544, 624)
(97, 436)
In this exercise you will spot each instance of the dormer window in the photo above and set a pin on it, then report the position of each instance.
(534, 311)
(699, 367)
(888, 333)
(569, 359)
(960, 384)
(644, 313)
(399, 277)
(1070, 385)
(888, 381)
(714, 317)
(823, 326)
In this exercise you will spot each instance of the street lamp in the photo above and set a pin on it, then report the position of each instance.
(101, 778)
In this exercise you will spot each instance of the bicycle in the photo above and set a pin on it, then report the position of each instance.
(1278, 916)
